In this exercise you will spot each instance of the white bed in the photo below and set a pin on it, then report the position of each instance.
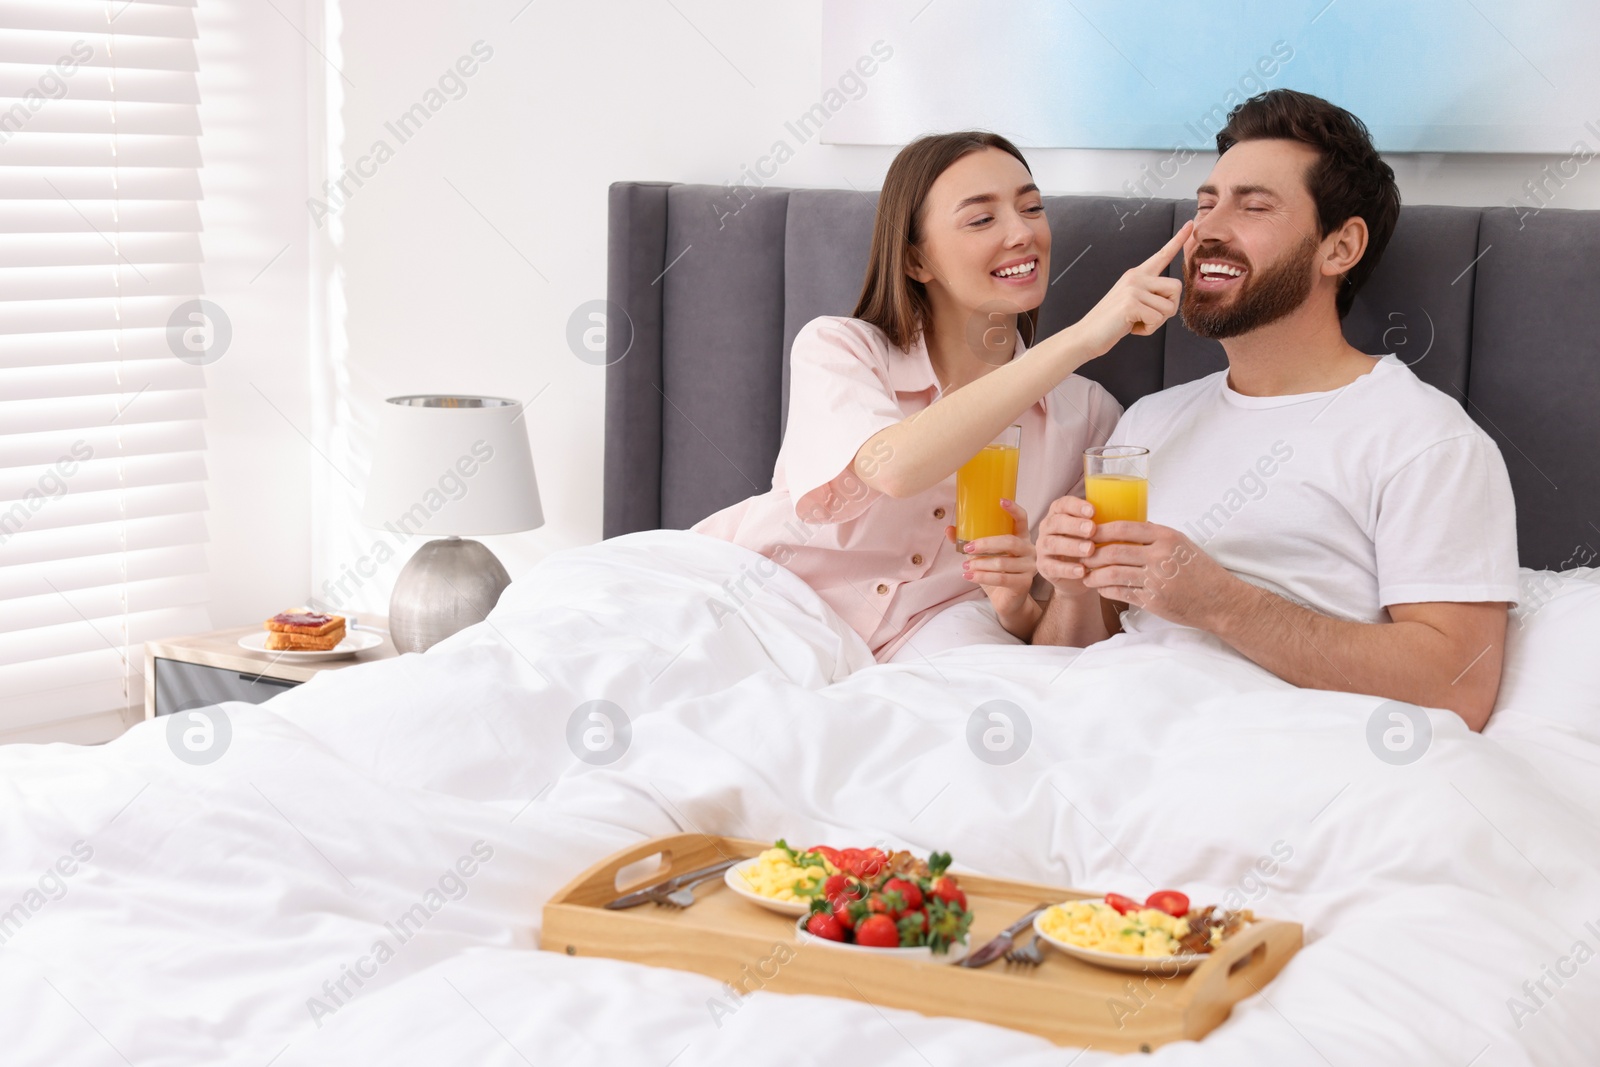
(220, 905)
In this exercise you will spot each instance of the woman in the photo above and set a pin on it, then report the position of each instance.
(884, 406)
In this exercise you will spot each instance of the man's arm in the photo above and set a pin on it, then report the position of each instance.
(1075, 616)
(1439, 655)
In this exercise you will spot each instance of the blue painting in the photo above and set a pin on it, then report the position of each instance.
(1425, 75)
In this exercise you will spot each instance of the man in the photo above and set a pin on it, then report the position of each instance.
(1320, 510)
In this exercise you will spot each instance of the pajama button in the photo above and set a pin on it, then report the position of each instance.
(916, 561)
(882, 589)
(938, 513)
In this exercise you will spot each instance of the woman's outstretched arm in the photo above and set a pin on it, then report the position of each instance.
(923, 450)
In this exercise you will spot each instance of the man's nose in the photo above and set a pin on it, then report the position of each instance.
(1212, 227)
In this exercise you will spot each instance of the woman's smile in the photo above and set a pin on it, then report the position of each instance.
(1017, 273)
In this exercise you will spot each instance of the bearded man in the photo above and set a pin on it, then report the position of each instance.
(1320, 510)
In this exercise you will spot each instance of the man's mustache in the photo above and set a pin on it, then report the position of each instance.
(1215, 253)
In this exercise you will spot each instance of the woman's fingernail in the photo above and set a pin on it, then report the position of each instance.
(1007, 503)
(968, 548)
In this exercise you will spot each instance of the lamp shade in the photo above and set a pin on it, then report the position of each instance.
(451, 465)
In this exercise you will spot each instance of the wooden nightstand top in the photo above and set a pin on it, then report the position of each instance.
(221, 649)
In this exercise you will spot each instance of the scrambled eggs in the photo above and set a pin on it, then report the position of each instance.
(1094, 925)
(775, 875)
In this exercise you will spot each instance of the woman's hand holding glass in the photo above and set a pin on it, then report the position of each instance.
(1004, 565)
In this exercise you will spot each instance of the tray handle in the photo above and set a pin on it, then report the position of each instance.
(1245, 963)
(678, 853)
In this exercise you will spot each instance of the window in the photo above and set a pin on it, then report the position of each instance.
(102, 452)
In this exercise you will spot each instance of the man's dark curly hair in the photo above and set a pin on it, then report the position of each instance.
(1349, 180)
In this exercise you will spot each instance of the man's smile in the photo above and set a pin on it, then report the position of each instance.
(1216, 275)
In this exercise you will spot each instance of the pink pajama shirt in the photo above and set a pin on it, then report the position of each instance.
(884, 565)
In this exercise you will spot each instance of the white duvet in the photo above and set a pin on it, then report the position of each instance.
(358, 878)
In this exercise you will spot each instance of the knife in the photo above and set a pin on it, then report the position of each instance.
(1001, 943)
(643, 896)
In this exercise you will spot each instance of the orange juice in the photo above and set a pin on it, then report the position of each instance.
(980, 484)
(1117, 497)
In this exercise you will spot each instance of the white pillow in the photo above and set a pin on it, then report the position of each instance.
(1552, 664)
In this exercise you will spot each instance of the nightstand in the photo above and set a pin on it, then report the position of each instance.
(192, 672)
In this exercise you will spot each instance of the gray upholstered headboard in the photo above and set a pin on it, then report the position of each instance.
(1500, 311)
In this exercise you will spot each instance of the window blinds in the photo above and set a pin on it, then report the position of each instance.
(102, 467)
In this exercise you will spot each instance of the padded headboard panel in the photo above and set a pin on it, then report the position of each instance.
(1499, 311)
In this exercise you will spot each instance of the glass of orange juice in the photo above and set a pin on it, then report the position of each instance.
(981, 483)
(1116, 480)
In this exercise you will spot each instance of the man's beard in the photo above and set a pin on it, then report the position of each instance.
(1265, 297)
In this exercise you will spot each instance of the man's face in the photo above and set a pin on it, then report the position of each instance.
(1255, 252)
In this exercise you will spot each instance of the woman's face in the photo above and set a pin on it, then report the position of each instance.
(985, 241)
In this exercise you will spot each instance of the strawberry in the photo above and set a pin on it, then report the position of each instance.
(877, 931)
(945, 889)
(913, 926)
(909, 892)
(882, 902)
(947, 924)
(822, 924)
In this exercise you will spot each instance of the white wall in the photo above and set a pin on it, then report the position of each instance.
(576, 96)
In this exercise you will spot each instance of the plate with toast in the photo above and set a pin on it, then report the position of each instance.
(309, 635)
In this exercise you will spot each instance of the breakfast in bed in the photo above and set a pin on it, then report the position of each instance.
(847, 921)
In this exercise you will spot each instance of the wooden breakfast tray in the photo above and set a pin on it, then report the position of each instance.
(1064, 1000)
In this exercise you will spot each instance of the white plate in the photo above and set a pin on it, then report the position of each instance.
(955, 954)
(354, 641)
(1117, 961)
(734, 879)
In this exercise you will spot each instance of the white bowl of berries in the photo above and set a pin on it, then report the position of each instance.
(901, 907)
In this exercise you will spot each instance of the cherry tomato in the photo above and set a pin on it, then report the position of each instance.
(824, 925)
(945, 889)
(877, 931)
(832, 855)
(862, 862)
(1170, 901)
(1122, 904)
(908, 890)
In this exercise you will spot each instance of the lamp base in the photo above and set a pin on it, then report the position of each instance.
(447, 586)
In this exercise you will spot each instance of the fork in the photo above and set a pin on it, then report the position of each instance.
(1028, 955)
(682, 896)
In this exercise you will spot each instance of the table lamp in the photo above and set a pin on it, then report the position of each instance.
(449, 465)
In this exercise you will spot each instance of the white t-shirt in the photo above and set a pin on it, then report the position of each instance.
(1381, 492)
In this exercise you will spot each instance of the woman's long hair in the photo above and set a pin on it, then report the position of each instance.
(891, 299)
